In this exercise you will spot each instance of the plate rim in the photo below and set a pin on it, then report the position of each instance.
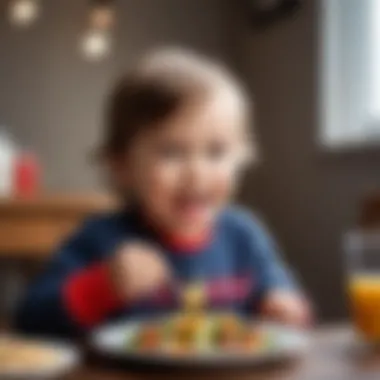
(201, 359)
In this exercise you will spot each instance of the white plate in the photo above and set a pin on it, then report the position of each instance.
(112, 342)
(67, 359)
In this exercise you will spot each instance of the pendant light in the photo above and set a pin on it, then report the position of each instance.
(96, 42)
(23, 13)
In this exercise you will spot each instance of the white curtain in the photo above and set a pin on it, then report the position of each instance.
(350, 72)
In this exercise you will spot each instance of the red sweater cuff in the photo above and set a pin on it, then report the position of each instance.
(89, 296)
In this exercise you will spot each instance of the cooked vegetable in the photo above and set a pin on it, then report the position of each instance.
(196, 332)
(193, 297)
(149, 338)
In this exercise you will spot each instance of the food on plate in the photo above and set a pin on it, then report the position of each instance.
(191, 333)
(149, 338)
(195, 331)
(26, 356)
(193, 297)
(230, 332)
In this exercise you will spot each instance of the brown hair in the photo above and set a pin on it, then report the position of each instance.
(159, 86)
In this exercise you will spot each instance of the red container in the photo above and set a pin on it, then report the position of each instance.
(27, 175)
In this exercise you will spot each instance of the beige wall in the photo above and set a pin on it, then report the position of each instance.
(308, 195)
(53, 100)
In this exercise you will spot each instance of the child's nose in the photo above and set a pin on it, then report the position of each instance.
(197, 171)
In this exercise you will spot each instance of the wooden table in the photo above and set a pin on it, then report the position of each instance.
(333, 356)
(31, 228)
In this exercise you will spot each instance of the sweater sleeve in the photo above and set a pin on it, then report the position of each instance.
(65, 300)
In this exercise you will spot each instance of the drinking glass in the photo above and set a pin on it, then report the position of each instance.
(363, 266)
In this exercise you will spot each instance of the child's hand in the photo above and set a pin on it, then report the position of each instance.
(287, 307)
(137, 269)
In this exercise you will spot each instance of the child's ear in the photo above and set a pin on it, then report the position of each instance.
(249, 155)
(116, 171)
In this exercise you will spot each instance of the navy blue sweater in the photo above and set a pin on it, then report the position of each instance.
(237, 266)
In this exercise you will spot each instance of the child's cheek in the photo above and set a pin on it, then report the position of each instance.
(224, 185)
(163, 180)
(166, 176)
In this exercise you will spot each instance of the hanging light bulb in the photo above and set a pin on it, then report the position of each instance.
(102, 15)
(24, 13)
(96, 43)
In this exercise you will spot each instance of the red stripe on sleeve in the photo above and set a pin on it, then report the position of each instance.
(89, 296)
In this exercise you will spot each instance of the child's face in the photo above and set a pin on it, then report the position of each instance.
(184, 172)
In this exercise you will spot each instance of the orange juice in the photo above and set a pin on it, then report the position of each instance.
(365, 299)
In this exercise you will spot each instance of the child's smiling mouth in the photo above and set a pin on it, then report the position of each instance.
(193, 206)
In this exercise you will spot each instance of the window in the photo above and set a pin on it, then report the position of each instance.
(350, 72)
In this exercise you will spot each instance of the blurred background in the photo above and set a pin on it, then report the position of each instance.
(308, 63)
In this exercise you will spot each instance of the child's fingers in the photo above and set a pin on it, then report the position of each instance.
(160, 270)
(288, 308)
(309, 317)
(137, 269)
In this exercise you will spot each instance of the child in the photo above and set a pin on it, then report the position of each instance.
(175, 143)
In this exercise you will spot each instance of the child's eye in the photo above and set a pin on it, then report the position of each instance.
(217, 151)
(171, 151)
